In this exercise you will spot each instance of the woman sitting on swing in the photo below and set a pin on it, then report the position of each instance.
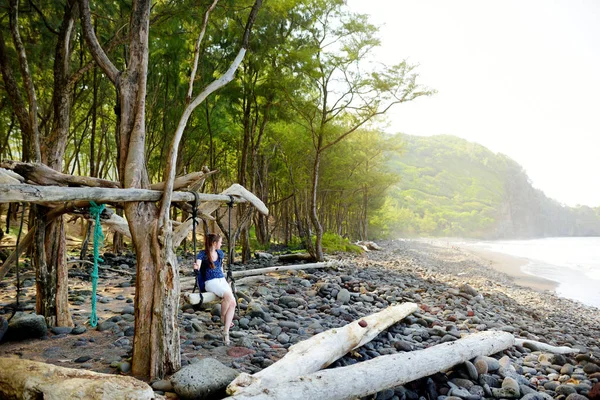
(215, 281)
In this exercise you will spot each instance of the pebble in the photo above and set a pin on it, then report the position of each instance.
(455, 298)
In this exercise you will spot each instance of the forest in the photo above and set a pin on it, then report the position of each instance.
(280, 98)
(283, 98)
(451, 187)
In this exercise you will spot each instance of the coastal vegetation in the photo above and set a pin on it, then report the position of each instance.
(282, 98)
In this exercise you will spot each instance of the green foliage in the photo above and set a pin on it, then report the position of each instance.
(452, 187)
(333, 243)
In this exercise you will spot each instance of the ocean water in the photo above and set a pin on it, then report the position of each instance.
(573, 262)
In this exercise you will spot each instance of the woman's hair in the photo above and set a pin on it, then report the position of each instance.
(209, 240)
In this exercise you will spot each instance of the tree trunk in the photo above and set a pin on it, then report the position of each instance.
(314, 216)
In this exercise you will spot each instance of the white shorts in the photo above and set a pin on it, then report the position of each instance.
(218, 286)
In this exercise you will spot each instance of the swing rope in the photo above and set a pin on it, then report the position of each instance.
(17, 306)
(194, 222)
(231, 254)
(95, 211)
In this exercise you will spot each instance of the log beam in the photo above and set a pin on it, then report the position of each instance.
(54, 194)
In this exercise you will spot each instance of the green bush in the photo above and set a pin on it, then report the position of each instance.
(333, 242)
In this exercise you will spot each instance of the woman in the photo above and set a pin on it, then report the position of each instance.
(215, 281)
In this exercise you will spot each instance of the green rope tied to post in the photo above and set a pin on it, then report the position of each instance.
(95, 211)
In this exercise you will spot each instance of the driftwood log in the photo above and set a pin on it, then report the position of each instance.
(194, 298)
(547, 347)
(321, 350)
(52, 194)
(26, 379)
(380, 373)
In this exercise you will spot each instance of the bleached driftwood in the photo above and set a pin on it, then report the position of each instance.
(547, 347)
(8, 176)
(382, 372)
(44, 175)
(235, 190)
(321, 350)
(262, 271)
(191, 179)
(52, 194)
(369, 245)
(26, 379)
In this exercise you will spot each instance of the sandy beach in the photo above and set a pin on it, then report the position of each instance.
(507, 264)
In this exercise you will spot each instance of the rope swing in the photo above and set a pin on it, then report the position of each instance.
(95, 211)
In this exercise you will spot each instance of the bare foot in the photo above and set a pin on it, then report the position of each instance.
(226, 339)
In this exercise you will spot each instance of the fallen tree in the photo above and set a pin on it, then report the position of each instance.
(377, 374)
(26, 379)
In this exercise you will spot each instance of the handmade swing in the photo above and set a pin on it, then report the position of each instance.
(197, 299)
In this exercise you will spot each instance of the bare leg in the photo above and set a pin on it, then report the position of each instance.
(227, 311)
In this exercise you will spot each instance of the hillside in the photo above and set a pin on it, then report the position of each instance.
(451, 187)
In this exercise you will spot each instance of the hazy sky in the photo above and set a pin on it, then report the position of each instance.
(521, 77)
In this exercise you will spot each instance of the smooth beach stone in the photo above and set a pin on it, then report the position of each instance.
(61, 330)
(481, 366)
(163, 385)
(567, 369)
(471, 370)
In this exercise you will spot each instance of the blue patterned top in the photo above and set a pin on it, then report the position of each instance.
(217, 272)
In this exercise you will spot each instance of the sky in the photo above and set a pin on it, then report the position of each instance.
(521, 77)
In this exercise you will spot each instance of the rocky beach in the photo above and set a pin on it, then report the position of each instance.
(457, 292)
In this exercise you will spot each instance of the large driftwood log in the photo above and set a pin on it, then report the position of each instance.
(193, 179)
(547, 347)
(8, 176)
(235, 190)
(44, 175)
(380, 373)
(208, 296)
(262, 271)
(49, 194)
(321, 350)
(26, 379)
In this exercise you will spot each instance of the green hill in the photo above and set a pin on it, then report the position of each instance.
(451, 187)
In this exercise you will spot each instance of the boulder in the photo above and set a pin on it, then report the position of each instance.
(26, 326)
(201, 380)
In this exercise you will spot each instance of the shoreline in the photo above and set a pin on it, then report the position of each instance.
(510, 265)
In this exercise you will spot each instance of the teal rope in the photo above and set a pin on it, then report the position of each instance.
(95, 211)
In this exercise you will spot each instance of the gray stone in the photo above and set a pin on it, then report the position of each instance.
(59, 330)
(124, 367)
(163, 385)
(283, 338)
(565, 390)
(203, 379)
(25, 326)
(471, 370)
(128, 310)
(566, 369)
(289, 324)
(343, 296)
(575, 396)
